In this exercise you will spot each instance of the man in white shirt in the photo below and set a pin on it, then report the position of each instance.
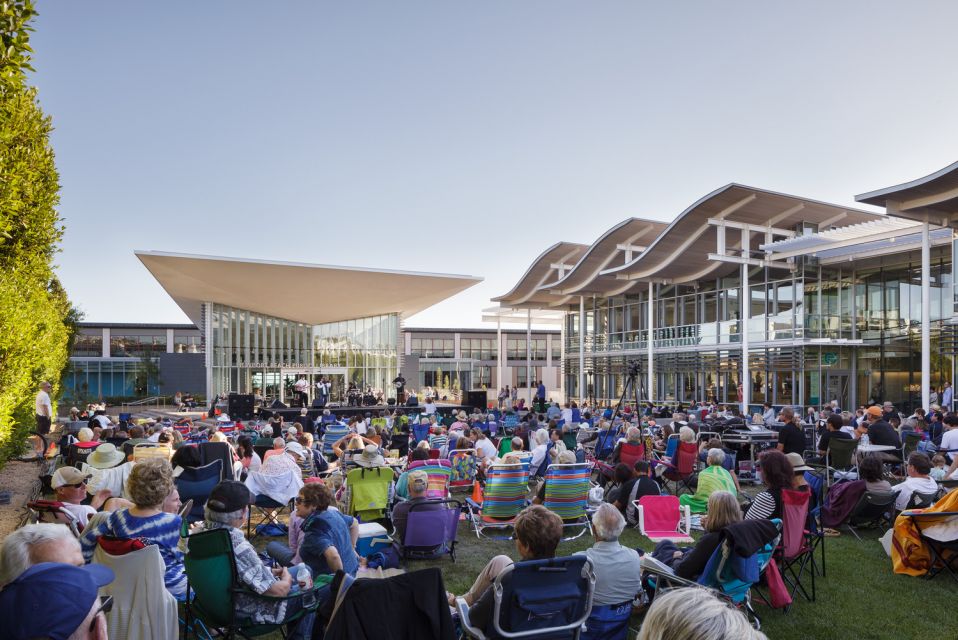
(947, 397)
(919, 466)
(44, 409)
(430, 407)
(949, 441)
(300, 387)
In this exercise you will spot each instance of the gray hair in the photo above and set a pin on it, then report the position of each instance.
(517, 444)
(228, 517)
(633, 434)
(541, 436)
(16, 551)
(279, 442)
(715, 456)
(608, 523)
(566, 457)
(697, 614)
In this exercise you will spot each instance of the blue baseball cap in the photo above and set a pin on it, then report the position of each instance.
(25, 603)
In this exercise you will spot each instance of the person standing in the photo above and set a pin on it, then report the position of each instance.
(400, 384)
(44, 410)
(947, 397)
(300, 388)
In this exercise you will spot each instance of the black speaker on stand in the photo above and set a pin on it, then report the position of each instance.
(240, 406)
(476, 399)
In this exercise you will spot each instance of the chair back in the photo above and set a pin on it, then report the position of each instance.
(420, 432)
(684, 459)
(543, 598)
(196, 483)
(334, 432)
(841, 452)
(631, 453)
(922, 500)
(261, 450)
(369, 492)
(671, 445)
(439, 473)
(431, 528)
(378, 422)
(142, 607)
(211, 573)
(504, 495)
(511, 421)
(464, 467)
(567, 490)
(873, 506)
(55, 511)
(660, 515)
(210, 451)
(910, 444)
(794, 516)
(733, 574)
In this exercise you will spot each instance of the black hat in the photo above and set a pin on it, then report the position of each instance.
(228, 496)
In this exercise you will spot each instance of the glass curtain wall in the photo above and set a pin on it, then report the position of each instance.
(367, 347)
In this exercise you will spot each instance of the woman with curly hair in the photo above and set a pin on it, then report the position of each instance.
(777, 474)
(149, 485)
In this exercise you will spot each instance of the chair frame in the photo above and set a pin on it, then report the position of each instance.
(219, 464)
(683, 479)
(475, 510)
(936, 548)
(683, 528)
(581, 521)
(406, 554)
(793, 568)
(268, 514)
(871, 498)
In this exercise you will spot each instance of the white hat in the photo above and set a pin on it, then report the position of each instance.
(370, 457)
(297, 448)
(266, 431)
(292, 431)
(105, 457)
(68, 475)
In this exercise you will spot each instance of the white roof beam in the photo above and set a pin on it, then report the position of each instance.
(785, 214)
(595, 274)
(928, 201)
(837, 244)
(757, 228)
(824, 224)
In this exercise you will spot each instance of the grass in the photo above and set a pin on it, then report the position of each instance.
(860, 597)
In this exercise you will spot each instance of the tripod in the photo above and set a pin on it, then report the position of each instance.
(633, 372)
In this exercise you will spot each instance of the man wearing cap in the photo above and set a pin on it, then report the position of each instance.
(888, 410)
(881, 432)
(265, 438)
(69, 485)
(227, 508)
(418, 483)
(78, 613)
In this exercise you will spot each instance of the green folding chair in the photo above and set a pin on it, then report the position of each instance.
(211, 576)
(504, 496)
(368, 492)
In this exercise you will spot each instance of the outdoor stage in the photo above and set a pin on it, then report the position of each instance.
(344, 412)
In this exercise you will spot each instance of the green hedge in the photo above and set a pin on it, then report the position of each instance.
(36, 318)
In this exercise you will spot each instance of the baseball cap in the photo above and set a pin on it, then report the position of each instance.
(25, 602)
(418, 480)
(229, 495)
(266, 431)
(874, 410)
(68, 475)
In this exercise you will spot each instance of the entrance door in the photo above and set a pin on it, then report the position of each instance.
(836, 388)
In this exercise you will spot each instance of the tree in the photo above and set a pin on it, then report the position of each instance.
(37, 321)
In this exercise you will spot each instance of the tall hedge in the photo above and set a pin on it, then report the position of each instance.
(36, 318)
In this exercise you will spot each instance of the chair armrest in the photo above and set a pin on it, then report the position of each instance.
(919, 514)
(473, 504)
(687, 511)
(463, 610)
(641, 516)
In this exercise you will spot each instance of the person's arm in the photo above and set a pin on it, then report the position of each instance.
(333, 561)
(763, 507)
(781, 443)
(353, 531)
(281, 587)
(693, 563)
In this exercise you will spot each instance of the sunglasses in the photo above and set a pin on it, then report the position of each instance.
(75, 485)
(106, 605)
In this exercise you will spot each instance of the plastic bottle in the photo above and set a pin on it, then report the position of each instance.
(304, 577)
(864, 441)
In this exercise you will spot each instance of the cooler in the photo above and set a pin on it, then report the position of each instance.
(372, 538)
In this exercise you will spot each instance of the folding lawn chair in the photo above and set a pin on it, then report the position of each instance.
(148, 450)
(663, 518)
(268, 512)
(567, 495)
(537, 599)
(504, 496)
(368, 492)
(55, 511)
(431, 529)
(874, 508)
(681, 469)
(196, 483)
(795, 555)
(135, 614)
(420, 432)
(211, 576)
(631, 453)
(439, 474)
(925, 541)
(465, 465)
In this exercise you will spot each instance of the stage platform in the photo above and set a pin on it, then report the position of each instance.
(290, 413)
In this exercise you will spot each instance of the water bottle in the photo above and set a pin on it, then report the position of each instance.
(303, 577)
(863, 442)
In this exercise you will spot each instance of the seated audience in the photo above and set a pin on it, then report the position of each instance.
(641, 484)
(75, 614)
(621, 474)
(689, 562)
(777, 474)
(566, 457)
(939, 469)
(36, 543)
(149, 485)
(791, 437)
(418, 483)
(633, 436)
(248, 458)
(919, 467)
(695, 614)
(798, 472)
(872, 471)
(833, 430)
(539, 452)
(69, 487)
(712, 478)
(279, 447)
(265, 438)
(329, 537)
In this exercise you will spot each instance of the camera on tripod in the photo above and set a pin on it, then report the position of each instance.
(634, 367)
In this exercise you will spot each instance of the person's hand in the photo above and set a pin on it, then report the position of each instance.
(676, 555)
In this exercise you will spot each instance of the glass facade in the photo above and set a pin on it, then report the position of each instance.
(248, 351)
(849, 332)
(97, 379)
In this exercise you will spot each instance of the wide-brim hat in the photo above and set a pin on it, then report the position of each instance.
(798, 462)
(370, 457)
(105, 456)
(462, 415)
(297, 448)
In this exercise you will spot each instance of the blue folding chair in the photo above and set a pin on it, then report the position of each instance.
(196, 483)
(537, 599)
(420, 432)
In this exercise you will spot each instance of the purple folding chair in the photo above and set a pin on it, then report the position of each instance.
(431, 528)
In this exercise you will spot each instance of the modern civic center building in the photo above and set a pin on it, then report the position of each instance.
(752, 296)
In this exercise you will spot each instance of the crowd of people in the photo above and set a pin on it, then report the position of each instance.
(114, 494)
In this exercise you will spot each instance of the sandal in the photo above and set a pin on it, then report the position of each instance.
(831, 533)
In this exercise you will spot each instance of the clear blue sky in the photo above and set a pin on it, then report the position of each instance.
(461, 137)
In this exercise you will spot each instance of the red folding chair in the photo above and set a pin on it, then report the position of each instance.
(681, 468)
(631, 453)
(663, 518)
(794, 554)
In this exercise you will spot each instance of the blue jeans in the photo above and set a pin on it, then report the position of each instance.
(280, 553)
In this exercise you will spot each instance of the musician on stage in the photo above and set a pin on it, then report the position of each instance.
(400, 384)
(322, 391)
(300, 389)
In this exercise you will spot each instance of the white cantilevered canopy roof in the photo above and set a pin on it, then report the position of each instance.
(862, 240)
(933, 198)
(551, 265)
(307, 293)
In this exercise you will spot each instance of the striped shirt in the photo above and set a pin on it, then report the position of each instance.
(162, 529)
(438, 441)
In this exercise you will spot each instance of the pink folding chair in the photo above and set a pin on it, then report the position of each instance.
(663, 518)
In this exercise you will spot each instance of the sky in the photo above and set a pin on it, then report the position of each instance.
(461, 137)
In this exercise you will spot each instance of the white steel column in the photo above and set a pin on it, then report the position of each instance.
(746, 307)
(529, 353)
(582, 389)
(499, 381)
(925, 315)
(649, 342)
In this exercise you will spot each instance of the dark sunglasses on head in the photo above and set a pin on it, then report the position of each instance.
(106, 605)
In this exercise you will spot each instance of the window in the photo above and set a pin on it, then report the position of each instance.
(187, 344)
(131, 345)
(516, 348)
(478, 348)
(88, 346)
(483, 377)
(556, 349)
(433, 347)
(521, 376)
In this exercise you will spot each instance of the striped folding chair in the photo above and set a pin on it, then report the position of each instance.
(504, 496)
(465, 464)
(567, 495)
(439, 473)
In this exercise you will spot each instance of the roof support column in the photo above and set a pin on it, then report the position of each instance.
(499, 354)
(925, 315)
(529, 353)
(746, 306)
(582, 393)
(649, 343)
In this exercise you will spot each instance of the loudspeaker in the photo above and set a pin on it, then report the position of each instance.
(476, 399)
(240, 406)
(278, 405)
(391, 402)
